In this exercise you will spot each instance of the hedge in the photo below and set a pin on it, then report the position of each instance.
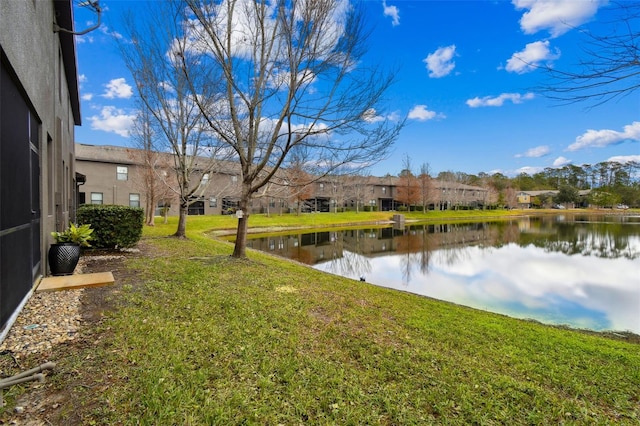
(114, 226)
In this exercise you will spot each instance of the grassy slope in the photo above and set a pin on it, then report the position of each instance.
(215, 340)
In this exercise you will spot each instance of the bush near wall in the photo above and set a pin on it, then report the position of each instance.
(114, 226)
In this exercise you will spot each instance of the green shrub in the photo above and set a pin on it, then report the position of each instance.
(114, 226)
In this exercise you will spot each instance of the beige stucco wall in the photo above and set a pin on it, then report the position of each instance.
(36, 61)
(34, 54)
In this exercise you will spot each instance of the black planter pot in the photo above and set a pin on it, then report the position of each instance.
(63, 258)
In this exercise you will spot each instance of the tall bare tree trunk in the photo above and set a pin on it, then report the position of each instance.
(182, 221)
(150, 207)
(239, 250)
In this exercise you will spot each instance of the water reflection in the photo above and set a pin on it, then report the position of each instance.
(580, 271)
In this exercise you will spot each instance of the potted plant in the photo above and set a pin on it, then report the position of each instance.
(65, 253)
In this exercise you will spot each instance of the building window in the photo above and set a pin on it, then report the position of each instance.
(384, 189)
(122, 172)
(96, 198)
(134, 200)
(234, 179)
(372, 202)
(204, 181)
(213, 202)
(321, 187)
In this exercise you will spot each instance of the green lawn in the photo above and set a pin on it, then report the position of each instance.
(201, 338)
(199, 224)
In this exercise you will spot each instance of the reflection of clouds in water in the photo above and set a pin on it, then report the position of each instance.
(350, 265)
(528, 282)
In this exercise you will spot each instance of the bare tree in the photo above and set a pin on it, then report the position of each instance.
(446, 182)
(427, 189)
(292, 76)
(299, 183)
(610, 64)
(408, 191)
(275, 192)
(357, 189)
(155, 56)
(338, 190)
(151, 177)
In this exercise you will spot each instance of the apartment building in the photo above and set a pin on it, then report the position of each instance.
(117, 175)
(114, 175)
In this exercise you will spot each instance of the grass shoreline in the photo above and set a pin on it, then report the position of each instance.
(273, 342)
(201, 338)
(225, 225)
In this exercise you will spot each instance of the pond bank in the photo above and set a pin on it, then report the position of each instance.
(267, 341)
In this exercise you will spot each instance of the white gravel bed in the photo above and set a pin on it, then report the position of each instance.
(48, 318)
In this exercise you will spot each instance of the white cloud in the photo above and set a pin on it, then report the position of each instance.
(238, 28)
(530, 58)
(107, 31)
(393, 12)
(82, 78)
(497, 101)
(561, 161)
(421, 113)
(86, 39)
(623, 159)
(556, 16)
(166, 86)
(112, 119)
(530, 170)
(281, 79)
(118, 88)
(371, 116)
(602, 138)
(538, 151)
(440, 63)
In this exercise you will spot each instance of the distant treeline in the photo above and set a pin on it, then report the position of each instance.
(611, 183)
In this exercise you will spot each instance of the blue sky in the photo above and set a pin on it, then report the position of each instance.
(470, 101)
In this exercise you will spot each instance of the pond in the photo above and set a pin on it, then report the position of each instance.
(575, 270)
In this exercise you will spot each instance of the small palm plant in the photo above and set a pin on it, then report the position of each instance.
(65, 254)
(74, 234)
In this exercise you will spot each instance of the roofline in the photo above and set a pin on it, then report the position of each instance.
(64, 19)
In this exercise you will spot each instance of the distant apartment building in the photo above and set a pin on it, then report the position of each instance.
(114, 176)
(544, 199)
(39, 107)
